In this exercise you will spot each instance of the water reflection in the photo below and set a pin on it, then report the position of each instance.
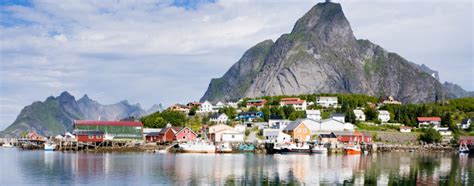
(32, 167)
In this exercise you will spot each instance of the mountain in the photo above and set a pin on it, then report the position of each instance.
(322, 55)
(455, 91)
(154, 108)
(56, 114)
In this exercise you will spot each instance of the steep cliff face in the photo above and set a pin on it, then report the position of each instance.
(321, 55)
(56, 114)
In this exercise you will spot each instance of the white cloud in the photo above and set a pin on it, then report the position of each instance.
(151, 52)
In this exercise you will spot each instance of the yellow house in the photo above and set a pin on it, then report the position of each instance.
(298, 131)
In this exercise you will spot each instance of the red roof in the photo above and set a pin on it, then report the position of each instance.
(290, 99)
(428, 119)
(109, 123)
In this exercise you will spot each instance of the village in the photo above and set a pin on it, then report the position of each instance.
(250, 129)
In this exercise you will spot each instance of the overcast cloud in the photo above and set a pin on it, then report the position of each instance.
(167, 51)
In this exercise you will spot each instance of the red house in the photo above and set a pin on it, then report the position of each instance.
(152, 137)
(166, 135)
(185, 134)
(89, 135)
(347, 137)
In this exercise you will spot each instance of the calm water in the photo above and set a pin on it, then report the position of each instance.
(33, 167)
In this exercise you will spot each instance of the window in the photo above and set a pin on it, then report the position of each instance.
(91, 137)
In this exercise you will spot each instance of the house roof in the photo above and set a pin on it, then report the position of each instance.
(153, 134)
(292, 101)
(338, 115)
(248, 113)
(178, 131)
(347, 133)
(88, 132)
(174, 129)
(330, 135)
(384, 112)
(108, 123)
(428, 118)
(255, 101)
(466, 121)
(292, 125)
(214, 115)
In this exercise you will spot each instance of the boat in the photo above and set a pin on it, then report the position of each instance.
(319, 149)
(108, 137)
(197, 147)
(7, 145)
(296, 148)
(246, 147)
(224, 148)
(49, 146)
(463, 148)
(352, 149)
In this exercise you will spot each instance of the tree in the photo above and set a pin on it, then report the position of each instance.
(159, 120)
(266, 113)
(370, 114)
(193, 110)
(231, 112)
(350, 116)
(288, 109)
(296, 115)
(194, 123)
(253, 109)
(430, 135)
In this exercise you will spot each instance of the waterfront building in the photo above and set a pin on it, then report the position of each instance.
(233, 136)
(313, 114)
(185, 135)
(357, 136)
(326, 101)
(327, 138)
(116, 129)
(152, 136)
(298, 131)
(429, 121)
(89, 136)
(297, 103)
(360, 116)
(384, 116)
(276, 136)
(222, 132)
(167, 135)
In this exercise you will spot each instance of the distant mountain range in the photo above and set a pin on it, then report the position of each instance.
(56, 114)
(322, 55)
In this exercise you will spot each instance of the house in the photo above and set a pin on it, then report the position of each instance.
(348, 137)
(298, 131)
(467, 140)
(206, 107)
(117, 129)
(389, 100)
(339, 117)
(249, 116)
(233, 104)
(405, 129)
(180, 108)
(258, 103)
(384, 116)
(89, 135)
(218, 106)
(327, 138)
(360, 116)
(167, 135)
(277, 123)
(193, 104)
(428, 121)
(313, 114)
(185, 135)
(240, 128)
(297, 103)
(218, 118)
(276, 136)
(221, 132)
(326, 101)
(233, 136)
(465, 123)
(152, 137)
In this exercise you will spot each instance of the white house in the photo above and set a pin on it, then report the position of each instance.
(206, 107)
(384, 115)
(240, 128)
(278, 123)
(327, 101)
(360, 116)
(313, 114)
(297, 103)
(217, 133)
(465, 123)
(218, 118)
(233, 136)
(326, 125)
(276, 136)
(218, 106)
(233, 104)
(339, 116)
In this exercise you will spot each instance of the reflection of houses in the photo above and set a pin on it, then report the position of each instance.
(360, 116)
(258, 103)
(327, 101)
(428, 121)
(313, 114)
(357, 136)
(298, 131)
(117, 129)
(297, 103)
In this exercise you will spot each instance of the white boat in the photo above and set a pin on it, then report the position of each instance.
(296, 148)
(197, 147)
(463, 148)
(49, 146)
(7, 145)
(224, 148)
(319, 149)
(108, 137)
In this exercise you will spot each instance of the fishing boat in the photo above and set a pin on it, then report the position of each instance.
(7, 145)
(296, 148)
(108, 137)
(197, 147)
(224, 148)
(246, 147)
(352, 149)
(463, 148)
(49, 146)
(319, 149)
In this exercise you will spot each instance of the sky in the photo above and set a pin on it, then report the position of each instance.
(150, 52)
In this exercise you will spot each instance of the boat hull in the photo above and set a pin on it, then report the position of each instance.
(295, 151)
(352, 151)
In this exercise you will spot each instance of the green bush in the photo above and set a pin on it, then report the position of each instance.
(430, 135)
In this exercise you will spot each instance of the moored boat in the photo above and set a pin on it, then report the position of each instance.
(7, 145)
(246, 147)
(197, 147)
(319, 149)
(463, 148)
(49, 146)
(296, 148)
(224, 148)
(352, 149)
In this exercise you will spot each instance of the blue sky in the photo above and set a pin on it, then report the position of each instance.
(167, 51)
